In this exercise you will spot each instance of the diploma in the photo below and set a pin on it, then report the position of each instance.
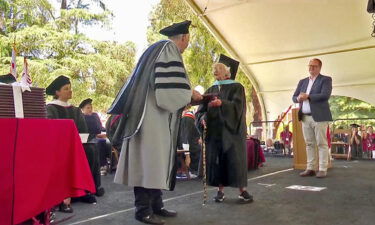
(206, 99)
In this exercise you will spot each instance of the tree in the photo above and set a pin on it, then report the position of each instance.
(204, 49)
(77, 13)
(54, 47)
(343, 107)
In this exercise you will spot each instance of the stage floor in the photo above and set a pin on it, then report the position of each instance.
(349, 199)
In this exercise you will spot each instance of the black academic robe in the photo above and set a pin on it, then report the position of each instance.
(225, 136)
(188, 134)
(111, 126)
(71, 112)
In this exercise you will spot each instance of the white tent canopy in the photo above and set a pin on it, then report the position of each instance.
(275, 39)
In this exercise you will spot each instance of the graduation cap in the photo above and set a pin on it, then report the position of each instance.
(231, 63)
(57, 84)
(85, 102)
(176, 28)
(7, 78)
(354, 125)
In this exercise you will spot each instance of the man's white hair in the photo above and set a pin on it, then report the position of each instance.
(176, 37)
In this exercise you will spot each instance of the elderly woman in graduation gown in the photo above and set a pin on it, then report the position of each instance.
(224, 119)
(60, 108)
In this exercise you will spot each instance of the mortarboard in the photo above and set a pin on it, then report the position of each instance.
(176, 28)
(85, 102)
(57, 84)
(231, 63)
(354, 125)
(7, 78)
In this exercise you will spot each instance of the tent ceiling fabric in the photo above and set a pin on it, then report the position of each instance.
(275, 39)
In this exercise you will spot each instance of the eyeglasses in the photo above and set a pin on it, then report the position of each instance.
(313, 66)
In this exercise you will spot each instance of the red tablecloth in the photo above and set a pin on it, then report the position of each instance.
(42, 162)
(255, 154)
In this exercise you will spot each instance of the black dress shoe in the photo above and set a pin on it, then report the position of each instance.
(89, 198)
(166, 213)
(151, 219)
(65, 208)
(100, 192)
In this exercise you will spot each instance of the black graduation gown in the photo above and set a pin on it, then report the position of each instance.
(226, 136)
(75, 113)
(111, 126)
(188, 134)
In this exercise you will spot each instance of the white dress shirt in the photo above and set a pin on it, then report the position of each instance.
(306, 104)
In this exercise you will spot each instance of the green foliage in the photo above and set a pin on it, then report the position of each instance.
(204, 49)
(349, 108)
(55, 47)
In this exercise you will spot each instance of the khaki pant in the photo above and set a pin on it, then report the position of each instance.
(315, 134)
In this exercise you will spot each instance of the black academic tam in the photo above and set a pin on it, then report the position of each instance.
(85, 102)
(57, 84)
(7, 78)
(176, 29)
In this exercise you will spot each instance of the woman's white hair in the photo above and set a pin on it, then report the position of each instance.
(226, 68)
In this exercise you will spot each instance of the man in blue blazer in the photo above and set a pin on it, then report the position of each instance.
(312, 94)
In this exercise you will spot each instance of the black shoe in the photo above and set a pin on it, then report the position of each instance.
(65, 208)
(100, 192)
(245, 197)
(166, 213)
(219, 197)
(150, 219)
(89, 198)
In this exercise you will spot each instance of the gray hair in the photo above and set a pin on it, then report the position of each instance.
(226, 68)
(176, 37)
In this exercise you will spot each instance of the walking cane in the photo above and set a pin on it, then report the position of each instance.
(204, 166)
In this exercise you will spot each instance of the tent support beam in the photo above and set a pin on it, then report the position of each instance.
(312, 55)
(334, 86)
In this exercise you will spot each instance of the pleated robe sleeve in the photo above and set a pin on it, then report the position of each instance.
(172, 85)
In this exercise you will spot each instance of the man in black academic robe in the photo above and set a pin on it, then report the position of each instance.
(189, 134)
(225, 122)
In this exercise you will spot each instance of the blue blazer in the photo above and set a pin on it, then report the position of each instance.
(318, 97)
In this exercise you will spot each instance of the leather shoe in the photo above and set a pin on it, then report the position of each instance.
(151, 219)
(100, 192)
(307, 173)
(65, 208)
(88, 198)
(166, 213)
(321, 174)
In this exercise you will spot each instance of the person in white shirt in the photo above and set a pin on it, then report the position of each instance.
(313, 93)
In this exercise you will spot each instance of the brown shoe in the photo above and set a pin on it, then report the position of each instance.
(321, 174)
(307, 173)
(151, 219)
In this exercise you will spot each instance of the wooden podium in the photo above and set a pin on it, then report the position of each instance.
(299, 146)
